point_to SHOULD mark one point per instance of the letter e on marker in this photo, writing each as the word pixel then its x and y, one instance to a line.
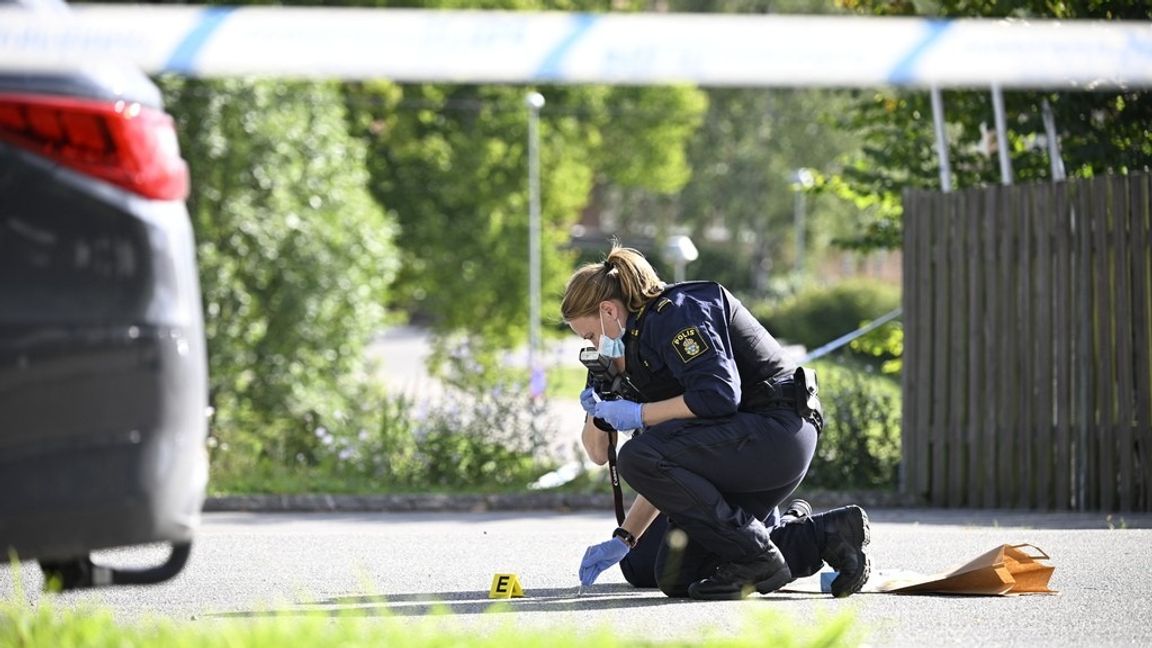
pixel 505 586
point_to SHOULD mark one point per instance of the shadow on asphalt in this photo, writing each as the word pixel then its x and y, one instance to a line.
pixel 600 597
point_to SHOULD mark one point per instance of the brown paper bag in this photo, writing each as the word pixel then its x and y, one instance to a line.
pixel 1004 571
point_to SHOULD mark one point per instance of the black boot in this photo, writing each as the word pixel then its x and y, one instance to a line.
pixel 845 536
pixel 766 572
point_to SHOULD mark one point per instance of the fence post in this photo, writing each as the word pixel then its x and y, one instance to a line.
pixel 941 140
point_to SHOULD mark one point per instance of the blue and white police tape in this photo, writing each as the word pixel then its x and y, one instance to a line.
pixel 558 47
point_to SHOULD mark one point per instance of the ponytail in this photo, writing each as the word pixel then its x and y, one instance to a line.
pixel 624 275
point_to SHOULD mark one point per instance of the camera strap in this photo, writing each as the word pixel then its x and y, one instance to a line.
pixel 617 493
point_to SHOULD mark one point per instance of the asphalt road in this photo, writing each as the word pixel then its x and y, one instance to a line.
pixel 396 567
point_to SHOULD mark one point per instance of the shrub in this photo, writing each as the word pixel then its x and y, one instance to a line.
pixel 818 316
pixel 478 434
pixel 496 443
pixel 296 260
pixel 860 444
pixel 884 345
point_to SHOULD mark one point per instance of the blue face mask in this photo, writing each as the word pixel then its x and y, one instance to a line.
pixel 611 347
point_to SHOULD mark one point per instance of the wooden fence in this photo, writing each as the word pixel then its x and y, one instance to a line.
pixel 1027 378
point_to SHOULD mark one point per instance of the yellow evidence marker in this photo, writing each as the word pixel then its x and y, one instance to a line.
pixel 505 586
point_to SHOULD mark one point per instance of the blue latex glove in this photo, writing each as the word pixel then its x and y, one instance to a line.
pixel 599 557
pixel 588 400
pixel 620 414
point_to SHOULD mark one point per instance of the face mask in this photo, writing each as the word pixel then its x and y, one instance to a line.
pixel 611 347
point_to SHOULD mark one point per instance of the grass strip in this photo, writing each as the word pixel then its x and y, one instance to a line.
pixel 44 625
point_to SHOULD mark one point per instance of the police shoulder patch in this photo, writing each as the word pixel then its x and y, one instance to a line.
pixel 689 344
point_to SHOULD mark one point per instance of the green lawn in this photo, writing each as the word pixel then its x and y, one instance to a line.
pixel 44 626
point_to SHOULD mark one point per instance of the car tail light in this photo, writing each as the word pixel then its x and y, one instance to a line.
pixel 122 142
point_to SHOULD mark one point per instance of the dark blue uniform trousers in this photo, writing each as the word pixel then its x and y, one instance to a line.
pixel 718 482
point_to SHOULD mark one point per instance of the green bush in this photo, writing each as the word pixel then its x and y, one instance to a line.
pixel 860 444
pixel 296 260
pixel 479 434
pixel 884 345
pixel 818 316
pixel 484 440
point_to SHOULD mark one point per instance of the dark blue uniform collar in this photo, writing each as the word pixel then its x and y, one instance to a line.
pixel 662 301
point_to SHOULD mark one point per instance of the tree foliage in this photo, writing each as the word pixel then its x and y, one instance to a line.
pixel 451 161
pixel 295 256
pixel 1104 131
pixel 740 204
pixel 748 160
pixel 298 257
pixel 318 204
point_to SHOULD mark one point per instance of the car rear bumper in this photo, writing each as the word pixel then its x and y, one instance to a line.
pixel 102 442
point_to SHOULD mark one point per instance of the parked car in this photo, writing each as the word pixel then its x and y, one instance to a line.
pixel 103 378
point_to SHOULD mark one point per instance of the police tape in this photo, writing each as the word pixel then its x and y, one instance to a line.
pixel 848 337
pixel 558 47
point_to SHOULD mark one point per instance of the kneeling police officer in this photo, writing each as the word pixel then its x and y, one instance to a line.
pixel 724 432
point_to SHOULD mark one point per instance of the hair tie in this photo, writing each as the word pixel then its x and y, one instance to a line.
pixel 607 265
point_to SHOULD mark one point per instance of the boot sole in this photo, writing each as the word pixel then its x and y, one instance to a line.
pixel 763 587
pixel 778 580
pixel 857 584
pixel 766 586
pixel 727 595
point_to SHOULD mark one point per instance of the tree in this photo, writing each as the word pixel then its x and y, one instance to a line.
pixel 747 162
pixel 451 162
pixel 1099 132
pixel 295 256
pixel 739 204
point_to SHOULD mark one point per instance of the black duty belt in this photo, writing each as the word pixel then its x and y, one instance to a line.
pixel 769 395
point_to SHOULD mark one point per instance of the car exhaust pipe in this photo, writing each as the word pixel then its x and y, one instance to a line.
pixel 82 573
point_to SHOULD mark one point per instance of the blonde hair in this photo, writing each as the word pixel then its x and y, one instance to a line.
pixel 624 275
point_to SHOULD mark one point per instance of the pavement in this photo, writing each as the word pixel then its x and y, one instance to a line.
pixel 406 567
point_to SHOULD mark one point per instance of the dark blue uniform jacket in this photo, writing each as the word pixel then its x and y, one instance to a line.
pixel 698 340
